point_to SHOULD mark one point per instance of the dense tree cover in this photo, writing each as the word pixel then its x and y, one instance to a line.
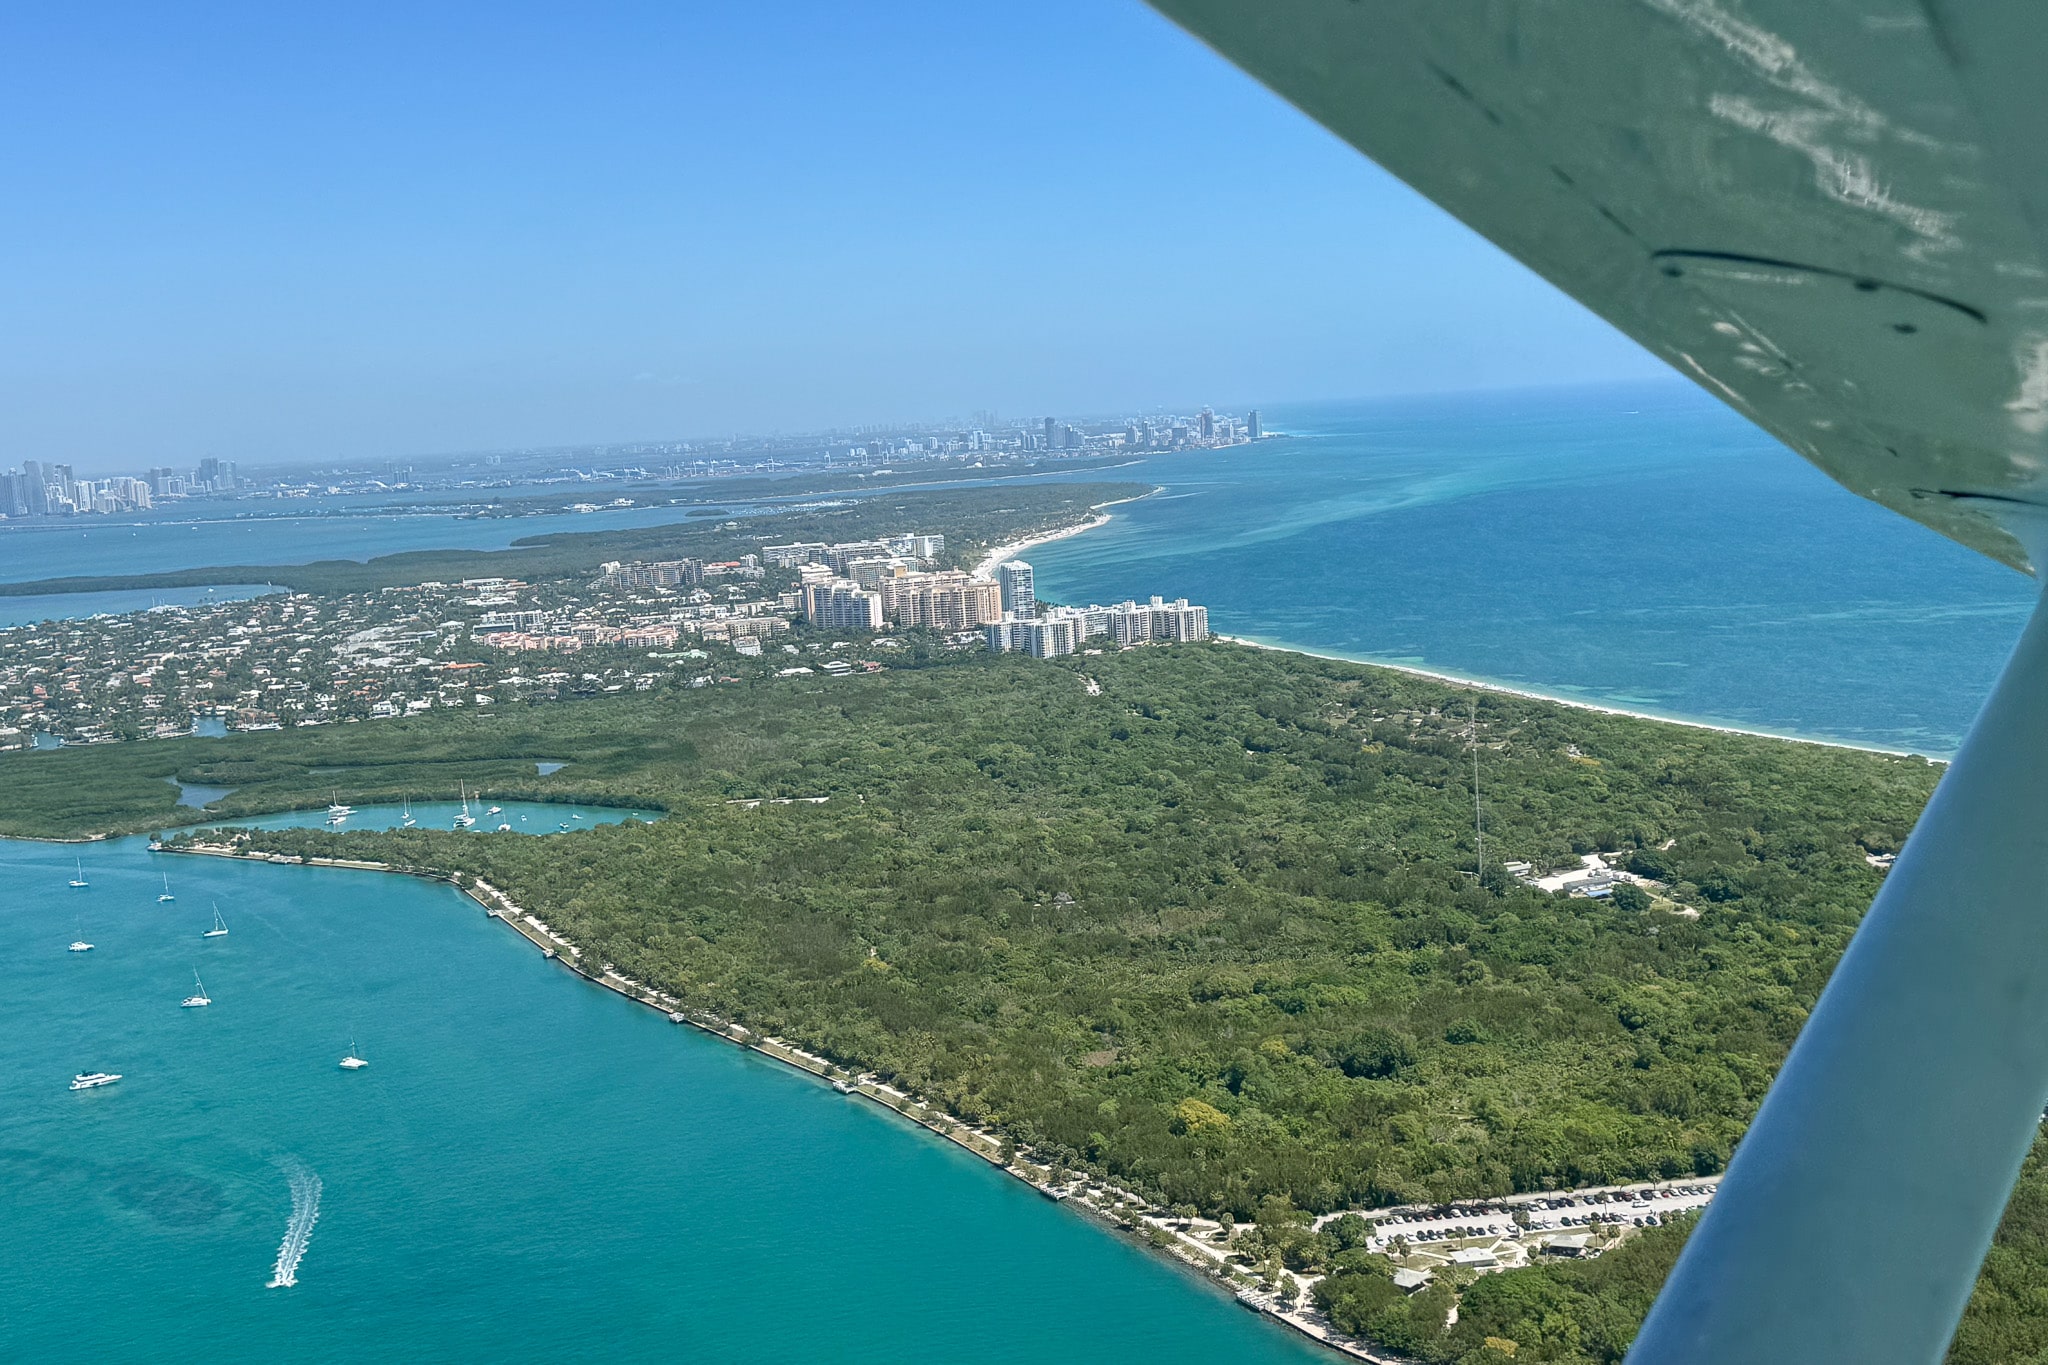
pixel 972 518
pixel 1213 931
pixel 1236 878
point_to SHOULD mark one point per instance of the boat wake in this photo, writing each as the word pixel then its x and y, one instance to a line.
pixel 299 1230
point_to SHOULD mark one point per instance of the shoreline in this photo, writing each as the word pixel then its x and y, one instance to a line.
pixel 997 554
pixel 1128 1212
pixel 1577 704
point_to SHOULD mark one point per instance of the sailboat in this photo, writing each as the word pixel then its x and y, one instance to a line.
pixel 352 1062
pixel 220 928
pixel 464 820
pixel 198 996
pixel 166 897
pixel 405 819
pixel 337 812
pixel 79 880
pixel 79 945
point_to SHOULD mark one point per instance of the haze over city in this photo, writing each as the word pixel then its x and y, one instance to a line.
pixel 270 235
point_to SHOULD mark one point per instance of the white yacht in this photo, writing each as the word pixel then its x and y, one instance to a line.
pixel 504 829
pixel 81 946
pixel 79 880
pixel 352 1062
pixel 198 996
pixel 86 1080
pixel 335 807
pixel 166 897
pixel 495 810
pixel 220 927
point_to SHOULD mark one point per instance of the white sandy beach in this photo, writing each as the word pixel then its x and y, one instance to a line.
pixel 1574 702
pixel 1002 553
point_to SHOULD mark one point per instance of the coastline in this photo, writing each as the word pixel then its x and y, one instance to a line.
pixel 986 569
pixel 996 555
pixel 1578 704
pixel 1114 1208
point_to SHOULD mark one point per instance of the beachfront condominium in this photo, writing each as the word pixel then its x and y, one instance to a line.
pixel 950 600
pixel 1062 630
pixel 1014 578
pixel 837 604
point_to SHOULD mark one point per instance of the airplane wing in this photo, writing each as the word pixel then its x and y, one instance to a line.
pixel 1817 209
pixel 1831 214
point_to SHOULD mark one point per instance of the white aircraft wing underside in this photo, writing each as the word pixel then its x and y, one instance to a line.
pixel 1824 212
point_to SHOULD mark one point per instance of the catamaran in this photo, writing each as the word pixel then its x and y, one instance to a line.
pixel 352 1062
pixel 79 880
pixel 166 897
pixel 464 820
pixel 335 807
pixel 220 928
pixel 86 1080
pixel 198 996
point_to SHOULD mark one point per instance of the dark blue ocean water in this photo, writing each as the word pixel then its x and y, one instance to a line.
pixel 1638 547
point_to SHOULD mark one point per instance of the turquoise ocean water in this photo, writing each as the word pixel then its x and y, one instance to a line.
pixel 1639 547
pixel 535 1169
pixel 531 1168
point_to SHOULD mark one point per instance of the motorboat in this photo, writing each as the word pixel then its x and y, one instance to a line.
pixel 87 1080
pixel 81 946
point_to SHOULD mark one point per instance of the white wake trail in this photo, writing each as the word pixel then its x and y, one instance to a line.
pixel 299 1230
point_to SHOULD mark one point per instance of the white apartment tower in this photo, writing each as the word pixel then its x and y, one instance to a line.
pixel 1014 578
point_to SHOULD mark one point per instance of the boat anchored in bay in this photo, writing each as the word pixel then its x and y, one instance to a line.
pixel 87 1080
pixel 198 998
pixel 219 929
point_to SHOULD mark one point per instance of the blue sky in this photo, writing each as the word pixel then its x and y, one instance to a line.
pixel 270 231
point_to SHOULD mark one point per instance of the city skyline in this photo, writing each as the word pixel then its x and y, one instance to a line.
pixel 42 488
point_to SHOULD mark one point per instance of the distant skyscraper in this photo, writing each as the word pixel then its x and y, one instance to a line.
pixel 1014 578
pixel 1049 430
pixel 1252 427
pixel 1208 425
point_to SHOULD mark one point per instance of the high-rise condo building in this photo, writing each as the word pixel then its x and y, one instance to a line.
pixel 1208 425
pixel 1014 578
pixel 1252 427
pixel 839 605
